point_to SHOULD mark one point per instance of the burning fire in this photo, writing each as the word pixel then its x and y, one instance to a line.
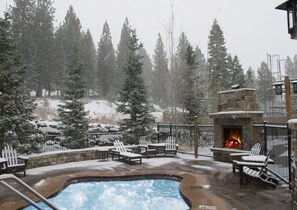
pixel 233 140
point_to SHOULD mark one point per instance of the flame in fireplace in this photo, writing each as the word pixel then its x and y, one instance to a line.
pixel 233 140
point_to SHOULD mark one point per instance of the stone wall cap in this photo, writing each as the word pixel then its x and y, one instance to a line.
pixel 235 113
pixel 237 90
pixel 292 124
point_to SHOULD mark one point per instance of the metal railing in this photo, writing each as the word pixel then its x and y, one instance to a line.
pixel 24 197
pixel 184 134
pixel 276 138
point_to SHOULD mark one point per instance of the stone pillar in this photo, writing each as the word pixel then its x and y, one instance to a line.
pixel 293 126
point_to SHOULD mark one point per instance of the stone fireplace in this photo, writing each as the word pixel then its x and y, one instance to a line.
pixel 237 124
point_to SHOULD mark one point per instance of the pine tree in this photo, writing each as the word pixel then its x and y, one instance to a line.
pixel 265 81
pixel 236 72
pixel 161 78
pixel 217 64
pixel 44 39
pixel 201 70
pixel 67 35
pixel 250 79
pixel 23 32
pixel 59 64
pixel 122 56
pixel 16 105
pixel 72 31
pixel 291 70
pixel 147 67
pixel 72 114
pixel 201 76
pixel 89 61
pixel 180 68
pixel 189 100
pixel 106 63
pixel 295 65
pixel 133 98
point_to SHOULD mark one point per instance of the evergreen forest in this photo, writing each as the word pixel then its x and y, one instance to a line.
pixel 39 59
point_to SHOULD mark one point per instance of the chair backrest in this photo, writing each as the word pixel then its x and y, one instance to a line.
pixel 255 149
pixel 170 143
pixel 10 155
pixel 263 169
pixel 119 146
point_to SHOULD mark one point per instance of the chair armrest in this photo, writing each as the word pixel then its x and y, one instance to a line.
pixel 239 154
pixel 143 147
pixel 114 151
pixel 23 158
pixel 253 164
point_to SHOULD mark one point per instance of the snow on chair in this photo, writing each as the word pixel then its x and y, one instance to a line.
pixel 13 165
pixel 255 150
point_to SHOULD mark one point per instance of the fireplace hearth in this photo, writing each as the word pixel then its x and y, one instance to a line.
pixel 236 124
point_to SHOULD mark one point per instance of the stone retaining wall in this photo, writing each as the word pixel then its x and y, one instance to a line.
pixel 294 165
pixel 65 156
pixel 293 126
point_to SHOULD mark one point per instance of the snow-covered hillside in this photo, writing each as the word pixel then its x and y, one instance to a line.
pixel 100 111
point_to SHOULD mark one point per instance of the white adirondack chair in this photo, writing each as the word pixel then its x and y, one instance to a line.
pixel 255 150
pixel 13 164
pixel 256 171
pixel 144 148
pixel 122 153
pixel 170 146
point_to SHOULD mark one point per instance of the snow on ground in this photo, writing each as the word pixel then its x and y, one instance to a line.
pixel 101 107
pixel 202 167
pixel 110 165
pixel 98 110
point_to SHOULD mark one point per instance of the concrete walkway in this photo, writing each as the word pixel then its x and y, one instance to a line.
pixel 222 183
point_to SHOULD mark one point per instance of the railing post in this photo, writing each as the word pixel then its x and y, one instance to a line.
pixel 196 137
pixel 170 128
pixel 288 97
pixel 158 129
pixel 265 137
pixel 289 154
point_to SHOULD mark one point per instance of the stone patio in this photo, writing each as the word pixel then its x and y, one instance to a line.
pixel 224 190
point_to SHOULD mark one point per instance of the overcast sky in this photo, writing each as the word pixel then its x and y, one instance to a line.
pixel 252 28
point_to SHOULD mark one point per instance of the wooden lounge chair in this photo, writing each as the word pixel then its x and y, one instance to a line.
pixel 256 171
pixel 13 165
pixel 237 156
pixel 170 146
pixel 144 148
pixel 122 153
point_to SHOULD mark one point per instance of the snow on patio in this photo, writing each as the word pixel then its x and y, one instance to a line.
pixel 150 163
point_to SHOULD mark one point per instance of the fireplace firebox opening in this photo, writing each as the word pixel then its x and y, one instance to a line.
pixel 232 137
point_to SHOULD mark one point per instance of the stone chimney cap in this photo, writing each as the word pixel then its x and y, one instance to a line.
pixel 236 86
